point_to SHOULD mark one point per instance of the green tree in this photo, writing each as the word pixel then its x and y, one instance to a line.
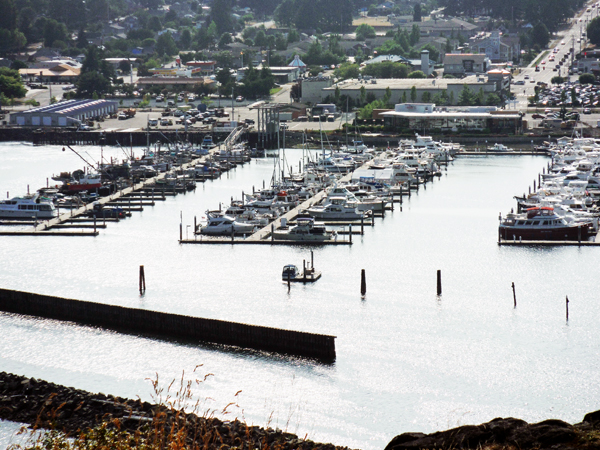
pixel 155 24
pixel 364 31
pixel 415 35
pixel 221 15
pixel 413 94
pixel 186 39
pixel 417 74
pixel 10 83
pixel 587 78
pixel 225 40
pixel 165 45
pixel 540 35
pixel 593 31
pixel 54 31
pixel 347 71
pixel 8 15
pixel 465 98
pixel 285 12
pixel 404 97
pixel 417 12
pixel 363 95
pixel 426 97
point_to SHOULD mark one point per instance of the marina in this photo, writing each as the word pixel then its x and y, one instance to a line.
pixel 406 358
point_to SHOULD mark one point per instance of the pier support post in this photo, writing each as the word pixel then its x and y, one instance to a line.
pixel 142 281
pixel 514 294
pixel 363 282
pixel 312 260
pixel 534 189
pixel 180 232
pixel 195 225
pixel 362 225
pixel 350 233
pixel 94 224
pixel 401 192
pixel 304 271
pixel 567 307
pixel 439 282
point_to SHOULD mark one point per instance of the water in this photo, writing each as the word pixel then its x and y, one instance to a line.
pixel 406 359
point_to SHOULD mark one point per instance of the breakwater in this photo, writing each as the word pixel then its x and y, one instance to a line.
pixel 72 411
pixel 169 325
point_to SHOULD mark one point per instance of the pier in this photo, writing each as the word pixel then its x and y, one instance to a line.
pixel 171 326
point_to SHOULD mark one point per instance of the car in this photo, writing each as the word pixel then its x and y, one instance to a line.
pixel 537 116
pixel 526 77
pixel 543 61
pixel 239 98
pixel 587 111
pixel 152 122
pixel 249 121
pixel 537 68
pixel 562 42
pixel 122 116
pixel 532 81
pixel 520 82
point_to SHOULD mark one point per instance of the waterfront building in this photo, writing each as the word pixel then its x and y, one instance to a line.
pixel 62 114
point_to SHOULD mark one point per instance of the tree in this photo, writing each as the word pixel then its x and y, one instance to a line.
pixel 540 35
pixel 82 41
pixel 415 34
pixel 221 15
pixel 347 71
pixel 417 13
pixel 587 78
pixel 54 31
pixel 404 97
pixel 285 12
pixel 426 97
pixel 8 17
pixel 593 31
pixel 364 31
pixel 225 40
pixel 557 80
pixel 465 98
pixel 417 74
pixel 186 39
pixel 125 67
pixel 154 24
pixel 413 94
pixel 363 95
pixel 10 83
pixel 165 45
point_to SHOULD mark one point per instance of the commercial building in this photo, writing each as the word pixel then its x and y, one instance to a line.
pixel 314 89
pixel 460 64
pixel 401 87
pixel 62 114
pixel 426 117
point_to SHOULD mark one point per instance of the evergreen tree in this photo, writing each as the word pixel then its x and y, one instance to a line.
pixel 417 12
pixel 413 94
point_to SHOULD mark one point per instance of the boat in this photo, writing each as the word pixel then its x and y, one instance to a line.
pixel 500 148
pixel 28 207
pixel 304 230
pixel 290 272
pixel 543 224
pixel 220 224
pixel 338 208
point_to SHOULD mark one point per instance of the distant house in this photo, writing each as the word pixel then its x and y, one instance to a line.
pixel 463 64
pixel 496 46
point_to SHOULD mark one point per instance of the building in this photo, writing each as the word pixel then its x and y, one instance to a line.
pixel 60 73
pixel 206 67
pixel 428 118
pixel 461 64
pixel 496 46
pixel 62 114
pixel 402 87
pixel 313 89
pixel 168 82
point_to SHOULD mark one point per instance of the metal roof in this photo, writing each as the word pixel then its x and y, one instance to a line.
pixel 450 115
pixel 71 107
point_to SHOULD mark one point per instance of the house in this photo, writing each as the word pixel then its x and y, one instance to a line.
pixel 496 46
pixel 459 65
pixel 446 27
pixel 61 73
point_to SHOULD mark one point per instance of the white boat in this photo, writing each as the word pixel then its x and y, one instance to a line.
pixel 304 230
pixel 367 202
pixel 337 208
pixel 225 225
pixel 28 207
pixel 500 148
pixel 290 272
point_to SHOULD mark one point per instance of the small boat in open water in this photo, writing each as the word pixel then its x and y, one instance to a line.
pixel 543 224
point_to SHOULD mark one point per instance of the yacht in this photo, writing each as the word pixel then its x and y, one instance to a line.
pixel 225 225
pixel 543 224
pixel 337 208
pixel 304 230
pixel 28 207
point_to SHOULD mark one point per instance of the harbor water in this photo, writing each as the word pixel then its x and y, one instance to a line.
pixel 407 359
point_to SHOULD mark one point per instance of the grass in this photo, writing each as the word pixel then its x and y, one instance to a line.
pixel 274 90
pixel 541 57
pixel 176 422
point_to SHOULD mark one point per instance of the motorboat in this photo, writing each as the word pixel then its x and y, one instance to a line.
pixel 290 272
pixel 543 224
pixel 500 148
pixel 28 207
pixel 304 230
pixel 218 224
pixel 337 208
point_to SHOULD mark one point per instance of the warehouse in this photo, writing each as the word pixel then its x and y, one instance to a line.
pixel 62 114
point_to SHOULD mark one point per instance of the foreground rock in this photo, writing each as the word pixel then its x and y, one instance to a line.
pixel 51 406
pixel 507 434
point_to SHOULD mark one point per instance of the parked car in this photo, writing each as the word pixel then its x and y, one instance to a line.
pixel 239 98
pixel 587 111
pixel 537 116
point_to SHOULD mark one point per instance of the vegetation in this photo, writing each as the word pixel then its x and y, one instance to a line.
pixel 587 78
pixel 11 85
pixel 593 31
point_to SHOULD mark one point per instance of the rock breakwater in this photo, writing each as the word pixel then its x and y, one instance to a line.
pixel 50 406
pixel 508 434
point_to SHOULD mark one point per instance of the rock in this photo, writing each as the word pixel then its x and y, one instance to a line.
pixel 593 417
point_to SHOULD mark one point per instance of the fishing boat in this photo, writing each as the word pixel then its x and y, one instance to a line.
pixel 28 207
pixel 543 224
pixel 500 148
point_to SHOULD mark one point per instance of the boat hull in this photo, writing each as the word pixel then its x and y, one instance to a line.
pixel 567 233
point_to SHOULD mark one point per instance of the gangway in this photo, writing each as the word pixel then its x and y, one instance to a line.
pixel 233 137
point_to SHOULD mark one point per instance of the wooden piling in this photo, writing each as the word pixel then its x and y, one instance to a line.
pixel 180 232
pixel 363 282
pixel 142 281
pixel 567 307
pixel 439 282
pixel 350 233
pixel 514 294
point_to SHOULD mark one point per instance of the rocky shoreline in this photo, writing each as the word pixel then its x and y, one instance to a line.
pixel 41 404
pixel 50 406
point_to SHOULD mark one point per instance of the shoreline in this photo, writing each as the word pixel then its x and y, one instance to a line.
pixel 48 406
